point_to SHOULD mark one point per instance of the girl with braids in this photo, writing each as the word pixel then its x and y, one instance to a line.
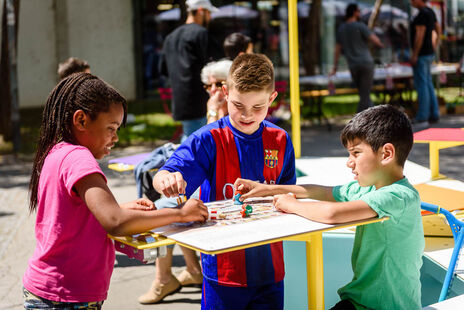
pixel 73 259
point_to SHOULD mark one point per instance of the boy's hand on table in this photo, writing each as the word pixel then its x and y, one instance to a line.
pixel 249 188
pixel 142 204
pixel 193 210
pixel 285 202
pixel 173 184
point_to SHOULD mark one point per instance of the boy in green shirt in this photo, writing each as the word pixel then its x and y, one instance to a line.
pixel 387 256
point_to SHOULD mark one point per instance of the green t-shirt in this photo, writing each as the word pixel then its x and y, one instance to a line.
pixel 387 256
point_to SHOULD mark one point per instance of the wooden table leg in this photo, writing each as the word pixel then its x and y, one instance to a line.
pixel 315 272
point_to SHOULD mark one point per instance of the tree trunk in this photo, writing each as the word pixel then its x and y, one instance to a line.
pixel 9 109
pixel 5 111
pixel 311 41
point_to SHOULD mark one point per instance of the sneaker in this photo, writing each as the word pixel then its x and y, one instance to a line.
pixel 419 125
pixel 158 291
pixel 187 279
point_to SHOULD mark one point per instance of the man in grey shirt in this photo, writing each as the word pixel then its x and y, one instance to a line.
pixel 352 38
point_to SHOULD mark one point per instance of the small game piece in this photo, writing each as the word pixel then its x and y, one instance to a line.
pixel 212 215
pixel 181 199
pixel 244 213
pixel 292 194
pixel 248 209
pixel 215 215
pixel 236 198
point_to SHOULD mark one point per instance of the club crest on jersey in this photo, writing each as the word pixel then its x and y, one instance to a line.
pixel 270 158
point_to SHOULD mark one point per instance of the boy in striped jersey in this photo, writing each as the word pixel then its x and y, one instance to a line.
pixel 240 145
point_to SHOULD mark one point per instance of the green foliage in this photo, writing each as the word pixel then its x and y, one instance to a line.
pixel 147 128
pixel 332 106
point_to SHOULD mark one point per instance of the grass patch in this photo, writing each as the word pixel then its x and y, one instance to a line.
pixel 147 128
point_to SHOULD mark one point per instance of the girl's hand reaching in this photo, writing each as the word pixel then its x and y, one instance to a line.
pixel 193 210
pixel 142 204
pixel 250 189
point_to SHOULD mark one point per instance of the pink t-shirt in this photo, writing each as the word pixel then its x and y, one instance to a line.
pixel 73 259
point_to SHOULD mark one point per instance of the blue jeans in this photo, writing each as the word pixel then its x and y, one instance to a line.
pixel 191 125
pixel 428 103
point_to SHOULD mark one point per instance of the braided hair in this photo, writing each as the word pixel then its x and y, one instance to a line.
pixel 79 91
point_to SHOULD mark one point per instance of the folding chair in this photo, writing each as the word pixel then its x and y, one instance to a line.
pixel 166 96
pixel 458 235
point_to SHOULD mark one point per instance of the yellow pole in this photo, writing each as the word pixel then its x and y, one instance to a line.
pixel 294 75
pixel 434 151
pixel 315 272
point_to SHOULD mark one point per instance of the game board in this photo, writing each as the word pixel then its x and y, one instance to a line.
pixel 227 213
pixel 219 234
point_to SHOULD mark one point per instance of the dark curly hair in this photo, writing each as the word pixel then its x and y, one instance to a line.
pixel 79 91
pixel 380 125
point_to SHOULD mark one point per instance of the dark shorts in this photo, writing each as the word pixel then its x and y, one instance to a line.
pixel 265 297
pixel 32 301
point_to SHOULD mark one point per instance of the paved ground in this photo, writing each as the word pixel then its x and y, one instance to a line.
pixel 130 279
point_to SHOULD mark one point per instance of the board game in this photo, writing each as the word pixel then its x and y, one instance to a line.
pixel 227 212
pixel 232 230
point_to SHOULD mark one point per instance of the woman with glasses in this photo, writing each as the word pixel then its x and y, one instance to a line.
pixel 213 76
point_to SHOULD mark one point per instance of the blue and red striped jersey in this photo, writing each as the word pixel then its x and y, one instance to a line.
pixel 214 157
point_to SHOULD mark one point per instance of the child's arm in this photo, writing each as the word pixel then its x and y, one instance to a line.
pixel 139 204
pixel 119 221
pixel 325 211
pixel 255 189
pixel 170 184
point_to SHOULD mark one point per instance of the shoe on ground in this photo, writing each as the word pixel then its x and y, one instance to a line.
pixel 158 291
pixel 434 120
pixel 187 279
pixel 419 125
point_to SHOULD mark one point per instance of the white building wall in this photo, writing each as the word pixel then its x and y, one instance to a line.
pixel 100 32
pixel 36 52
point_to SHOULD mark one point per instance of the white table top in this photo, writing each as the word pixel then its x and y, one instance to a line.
pixel 395 70
pixel 448 304
pixel 331 171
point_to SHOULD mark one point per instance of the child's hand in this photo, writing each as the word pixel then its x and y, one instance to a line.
pixel 285 202
pixel 173 184
pixel 143 204
pixel 249 188
pixel 194 210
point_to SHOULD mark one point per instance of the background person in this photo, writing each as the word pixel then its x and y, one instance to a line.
pixel 423 42
pixel 185 53
pixel 352 38
pixel 213 76
pixel 236 44
pixel 72 65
